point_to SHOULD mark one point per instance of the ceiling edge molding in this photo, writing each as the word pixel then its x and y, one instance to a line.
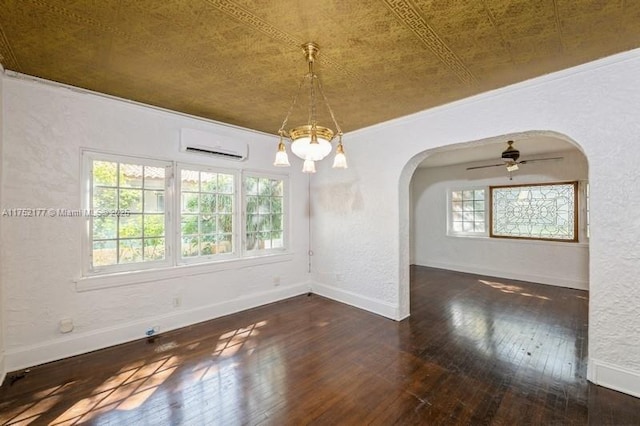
pixel 412 19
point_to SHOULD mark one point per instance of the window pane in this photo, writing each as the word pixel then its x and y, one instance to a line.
pixel 105 253
pixel 209 182
pixel 154 248
pixel 225 243
pixel 105 227
pixel 225 203
pixel 130 176
pixel 208 203
pixel 207 224
pixel 154 177
pixel 190 202
pixel 189 180
pixel 225 183
pixel 225 223
pixel 130 226
pixel 105 173
pixel 153 201
pixel 105 198
pixel 190 246
pixel 130 251
pixel 154 225
pixel 467 211
pixel 131 200
pixel 251 185
pixel 189 225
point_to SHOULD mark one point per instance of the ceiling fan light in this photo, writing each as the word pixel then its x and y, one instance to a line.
pixel 512 167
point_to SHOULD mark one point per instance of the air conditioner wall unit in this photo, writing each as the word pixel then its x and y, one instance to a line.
pixel 206 143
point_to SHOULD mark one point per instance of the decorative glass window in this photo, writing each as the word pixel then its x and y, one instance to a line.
pixel 207 209
pixel 265 198
pixel 467 212
pixel 127 225
pixel 540 211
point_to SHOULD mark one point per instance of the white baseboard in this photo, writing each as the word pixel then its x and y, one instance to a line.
pixel 376 306
pixel 534 278
pixel 76 344
pixel 614 377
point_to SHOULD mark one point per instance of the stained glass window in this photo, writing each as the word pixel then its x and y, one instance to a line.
pixel 544 211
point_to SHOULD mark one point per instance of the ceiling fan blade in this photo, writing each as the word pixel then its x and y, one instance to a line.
pixel 539 159
pixel 484 167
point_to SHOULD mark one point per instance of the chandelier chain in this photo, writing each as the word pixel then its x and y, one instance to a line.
pixel 326 102
pixel 293 104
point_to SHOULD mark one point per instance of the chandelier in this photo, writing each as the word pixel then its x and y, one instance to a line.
pixel 311 142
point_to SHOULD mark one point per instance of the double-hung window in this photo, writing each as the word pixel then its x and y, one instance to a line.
pixel 127 218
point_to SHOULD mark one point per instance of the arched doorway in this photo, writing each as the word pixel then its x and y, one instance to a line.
pixel 471 153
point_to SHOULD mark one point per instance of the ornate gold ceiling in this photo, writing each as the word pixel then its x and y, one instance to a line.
pixel 240 61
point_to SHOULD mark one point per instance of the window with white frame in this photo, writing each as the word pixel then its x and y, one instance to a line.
pixel 127 224
pixel 138 223
pixel 265 212
pixel 207 212
pixel 467 212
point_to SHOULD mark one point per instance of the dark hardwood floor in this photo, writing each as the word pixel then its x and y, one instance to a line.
pixel 476 350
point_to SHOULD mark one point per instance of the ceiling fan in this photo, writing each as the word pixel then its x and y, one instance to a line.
pixel 510 160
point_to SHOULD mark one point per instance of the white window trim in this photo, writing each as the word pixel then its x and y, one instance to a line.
pixel 173 265
pixel 87 194
pixel 450 231
pixel 285 210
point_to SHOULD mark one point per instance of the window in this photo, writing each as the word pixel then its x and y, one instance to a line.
pixel 542 211
pixel 143 218
pixel 207 210
pixel 128 224
pixel 467 212
pixel 265 218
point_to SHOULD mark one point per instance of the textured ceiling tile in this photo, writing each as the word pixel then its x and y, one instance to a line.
pixel 240 61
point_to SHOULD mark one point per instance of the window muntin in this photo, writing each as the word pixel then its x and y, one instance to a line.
pixel 127 224
pixel 535 211
pixel 207 212
pixel 467 212
pixel 144 218
pixel 265 212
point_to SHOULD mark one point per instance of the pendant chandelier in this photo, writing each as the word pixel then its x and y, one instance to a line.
pixel 311 142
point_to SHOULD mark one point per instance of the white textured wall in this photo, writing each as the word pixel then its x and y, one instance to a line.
pixel 361 224
pixel 557 263
pixel 45 129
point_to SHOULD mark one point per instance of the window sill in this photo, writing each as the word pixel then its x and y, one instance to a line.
pixel 520 240
pixel 98 282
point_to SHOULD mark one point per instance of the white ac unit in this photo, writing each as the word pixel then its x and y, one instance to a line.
pixel 205 143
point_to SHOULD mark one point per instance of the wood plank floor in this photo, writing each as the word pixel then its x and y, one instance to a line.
pixel 475 351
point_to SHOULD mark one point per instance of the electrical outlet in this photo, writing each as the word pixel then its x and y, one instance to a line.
pixel 276 281
pixel 177 302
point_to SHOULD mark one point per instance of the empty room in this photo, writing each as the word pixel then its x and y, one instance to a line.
pixel 297 212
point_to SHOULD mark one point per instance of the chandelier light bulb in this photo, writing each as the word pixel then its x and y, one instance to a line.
pixel 282 159
pixel 309 166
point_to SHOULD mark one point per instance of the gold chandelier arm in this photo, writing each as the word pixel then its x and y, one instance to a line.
pixel 294 101
pixel 326 102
